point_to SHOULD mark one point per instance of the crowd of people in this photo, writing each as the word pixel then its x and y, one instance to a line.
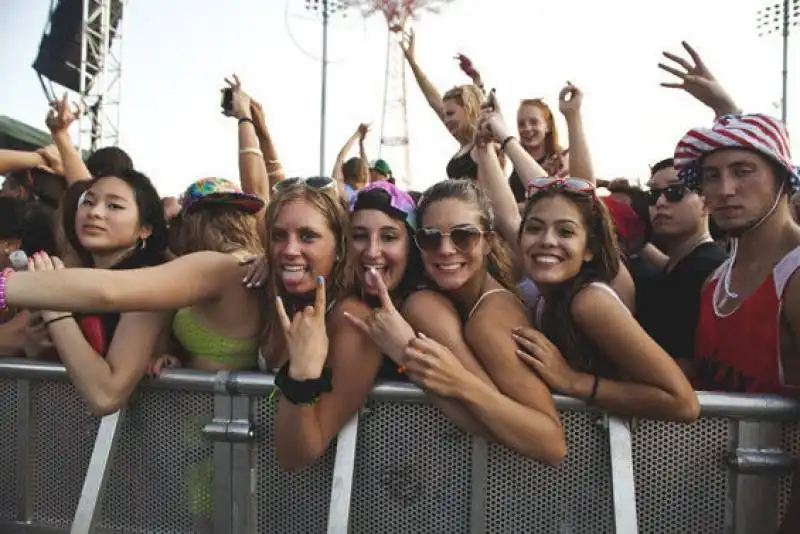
pixel 491 290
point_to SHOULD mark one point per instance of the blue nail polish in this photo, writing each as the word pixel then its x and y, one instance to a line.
pixel 320 279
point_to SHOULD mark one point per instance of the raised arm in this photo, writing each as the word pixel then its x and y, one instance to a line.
pixel 271 159
pixel 61 116
pixel 697 80
pixel 580 159
pixel 20 160
pixel 176 284
pixel 338 172
pixel 252 167
pixel 303 432
pixel 429 91
pixel 654 385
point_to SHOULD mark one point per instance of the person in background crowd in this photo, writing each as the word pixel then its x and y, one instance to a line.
pixel 379 170
pixel 108 161
pixel 594 349
pixel 794 202
pixel 353 174
pixel 12 215
pixel 667 303
pixel 458 109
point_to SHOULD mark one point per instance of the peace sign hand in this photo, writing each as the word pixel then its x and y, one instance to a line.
pixel 698 81
pixel 306 337
pixel 385 326
pixel 61 115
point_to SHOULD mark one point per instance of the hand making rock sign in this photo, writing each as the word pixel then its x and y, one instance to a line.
pixel 306 336
pixel 385 326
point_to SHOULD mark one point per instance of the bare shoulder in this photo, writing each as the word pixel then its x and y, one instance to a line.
pixel 499 312
pixel 595 303
pixel 421 304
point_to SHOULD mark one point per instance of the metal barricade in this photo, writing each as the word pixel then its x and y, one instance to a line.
pixel 195 453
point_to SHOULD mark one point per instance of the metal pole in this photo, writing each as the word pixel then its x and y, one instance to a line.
pixel 785 59
pixel 323 104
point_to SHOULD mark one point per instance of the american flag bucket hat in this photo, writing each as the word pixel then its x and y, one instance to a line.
pixel 756 132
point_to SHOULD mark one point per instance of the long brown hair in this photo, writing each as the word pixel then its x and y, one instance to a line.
pixel 498 263
pixel 601 241
pixel 340 280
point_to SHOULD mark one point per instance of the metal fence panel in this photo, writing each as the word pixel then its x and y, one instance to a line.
pixel 680 475
pixel 413 472
pixel 575 498
pixel 63 439
pixel 9 487
pixel 288 503
pixel 161 476
pixel 791 444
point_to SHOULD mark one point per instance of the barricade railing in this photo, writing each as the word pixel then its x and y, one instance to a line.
pixel 194 452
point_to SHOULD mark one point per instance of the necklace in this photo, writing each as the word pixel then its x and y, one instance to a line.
pixel 673 261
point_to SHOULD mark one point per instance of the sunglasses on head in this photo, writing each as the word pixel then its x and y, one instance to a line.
pixel 317 183
pixel 575 185
pixel 463 238
pixel 673 193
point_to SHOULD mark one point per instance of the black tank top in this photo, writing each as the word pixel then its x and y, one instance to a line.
pixel 462 167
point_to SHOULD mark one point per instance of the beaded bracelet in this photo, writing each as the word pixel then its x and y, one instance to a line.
pixel 3 303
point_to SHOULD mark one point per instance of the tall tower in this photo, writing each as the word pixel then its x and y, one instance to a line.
pixel 394 147
pixel 81 50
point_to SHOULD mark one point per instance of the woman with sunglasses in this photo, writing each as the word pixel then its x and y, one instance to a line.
pixel 463 354
pixel 589 339
pixel 327 366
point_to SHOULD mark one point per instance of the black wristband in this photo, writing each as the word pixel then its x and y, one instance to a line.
pixel 303 392
pixel 591 398
pixel 61 318
pixel 505 142
pixel 246 119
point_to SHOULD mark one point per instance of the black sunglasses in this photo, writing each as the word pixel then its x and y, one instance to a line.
pixel 673 193
pixel 318 183
pixel 464 238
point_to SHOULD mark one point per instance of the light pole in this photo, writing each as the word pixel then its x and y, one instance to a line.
pixel 773 19
pixel 324 8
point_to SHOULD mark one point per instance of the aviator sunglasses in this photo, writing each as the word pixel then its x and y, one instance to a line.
pixel 317 183
pixel 463 238
pixel 673 193
pixel 576 185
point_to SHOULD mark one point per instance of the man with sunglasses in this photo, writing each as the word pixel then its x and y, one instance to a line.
pixel 668 303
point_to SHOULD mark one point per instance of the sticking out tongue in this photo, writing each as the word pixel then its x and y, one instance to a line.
pixel 292 277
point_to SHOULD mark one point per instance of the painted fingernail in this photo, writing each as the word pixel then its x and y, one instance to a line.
pixel 320 279
pixel 402 369
pixel 423 336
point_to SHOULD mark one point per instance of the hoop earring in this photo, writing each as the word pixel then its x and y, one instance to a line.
pixel 143 243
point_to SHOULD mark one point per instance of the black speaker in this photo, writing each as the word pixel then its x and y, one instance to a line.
pixel 59 57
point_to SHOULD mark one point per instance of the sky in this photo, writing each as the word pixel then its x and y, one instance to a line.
pixel 176 54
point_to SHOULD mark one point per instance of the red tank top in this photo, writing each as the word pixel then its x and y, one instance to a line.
pixel 740 352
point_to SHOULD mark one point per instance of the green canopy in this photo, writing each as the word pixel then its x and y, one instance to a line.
pixel 17 135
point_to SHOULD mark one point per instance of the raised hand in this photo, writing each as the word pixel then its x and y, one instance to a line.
pixel 570 100
pixel 61 115
pixel 241 104
pixel 697 80
pixel 407 43
pixel 468 67
pixel 363 130
pixel 491 126
pixel 432 365
pixel 385 326
pixel 306 336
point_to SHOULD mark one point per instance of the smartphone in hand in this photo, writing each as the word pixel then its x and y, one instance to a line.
pixel 227 100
